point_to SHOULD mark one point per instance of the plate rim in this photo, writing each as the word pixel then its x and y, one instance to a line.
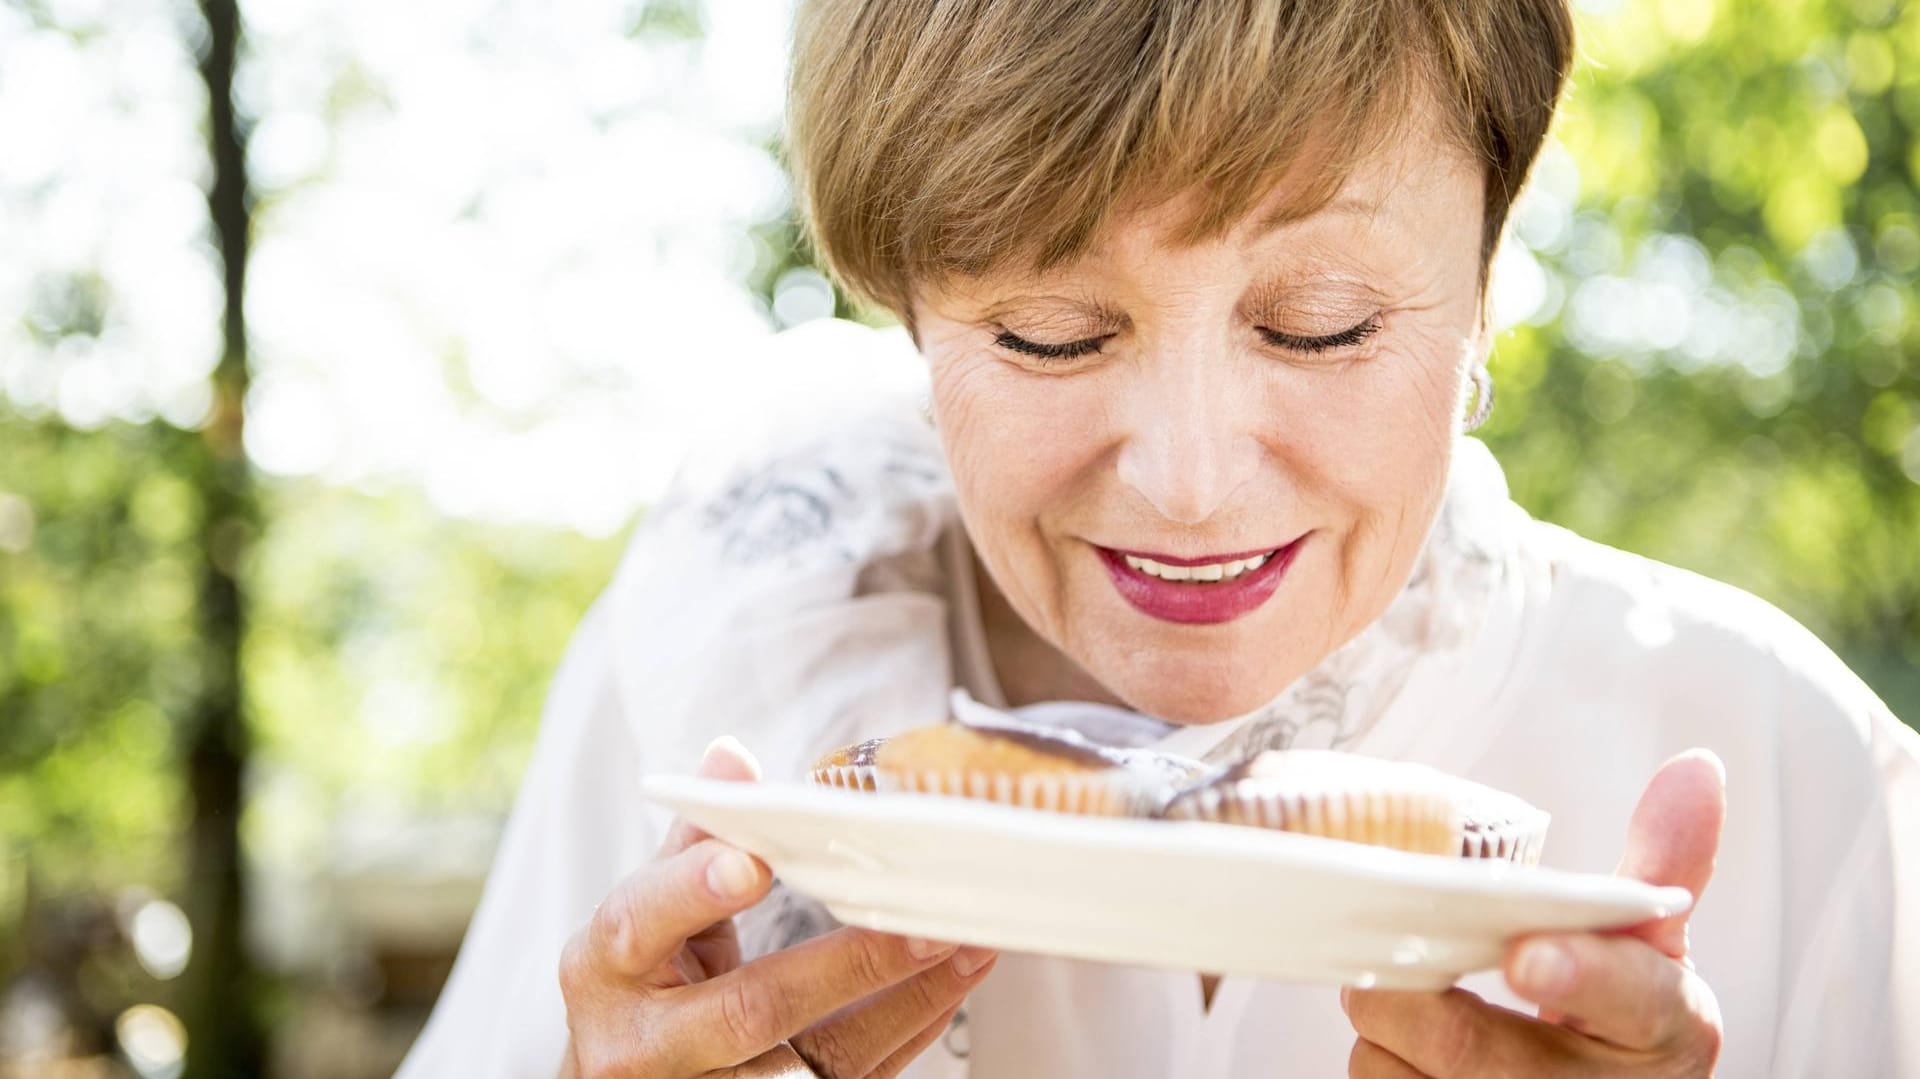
pixel 1461 877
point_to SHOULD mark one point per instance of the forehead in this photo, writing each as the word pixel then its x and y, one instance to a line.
pixel 1415 190
pixel 1397 185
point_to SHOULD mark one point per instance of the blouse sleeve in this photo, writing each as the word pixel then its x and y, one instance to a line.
pixel 577 826
pixel 1850 1007
pixel 1898 750
pixel 783 590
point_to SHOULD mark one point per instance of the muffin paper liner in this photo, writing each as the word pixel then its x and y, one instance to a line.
pixel 1438 814
pixel 848 776
pixel 1422 821
pixel 1502 827
pixel 1453 817
pixel 1113 794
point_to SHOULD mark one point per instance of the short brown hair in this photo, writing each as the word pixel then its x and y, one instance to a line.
pixel 934 138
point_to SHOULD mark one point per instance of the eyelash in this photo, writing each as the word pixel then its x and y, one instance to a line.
pixel 1070 350
pixel 1346 338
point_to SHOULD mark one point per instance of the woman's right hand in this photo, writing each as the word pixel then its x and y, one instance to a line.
pixel 654 986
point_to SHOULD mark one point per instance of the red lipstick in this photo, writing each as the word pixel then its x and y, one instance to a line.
pixel 1198 602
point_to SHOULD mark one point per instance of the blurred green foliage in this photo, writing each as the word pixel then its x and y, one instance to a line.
pixel 97 653
pixel 394 654
pixel 1779 140
pixel 397 651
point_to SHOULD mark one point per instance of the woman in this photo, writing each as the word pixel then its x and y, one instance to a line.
pixel 1200 292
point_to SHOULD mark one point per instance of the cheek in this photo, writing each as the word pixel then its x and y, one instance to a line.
pixel 1019 453
pixel 1387 415
pixel 1379 457
pixel 1026 442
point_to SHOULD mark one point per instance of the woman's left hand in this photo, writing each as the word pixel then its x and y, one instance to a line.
pixel 1626 1003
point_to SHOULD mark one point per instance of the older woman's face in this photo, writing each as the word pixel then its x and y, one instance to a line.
pixel 1269 417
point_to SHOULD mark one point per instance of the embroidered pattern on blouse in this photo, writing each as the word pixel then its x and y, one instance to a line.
pixel 957 1041
pixel 1442 606
pixel 781 920
pixel 797 505
pixel 775 511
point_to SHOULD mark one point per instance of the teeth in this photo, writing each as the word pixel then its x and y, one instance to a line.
pixel 1216 571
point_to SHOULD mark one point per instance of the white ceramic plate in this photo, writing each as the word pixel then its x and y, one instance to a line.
pixel 1186 895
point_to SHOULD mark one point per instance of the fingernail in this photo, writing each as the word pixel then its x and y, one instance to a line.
pixel 923 949
pixel 732 875
pixel 1712 760
pixel 968 961
pixel 730 745
pixel 1545 968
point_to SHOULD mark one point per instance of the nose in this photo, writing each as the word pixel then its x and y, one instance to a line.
pixel 1191 442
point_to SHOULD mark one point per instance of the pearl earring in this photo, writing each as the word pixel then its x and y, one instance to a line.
pixel 1482 396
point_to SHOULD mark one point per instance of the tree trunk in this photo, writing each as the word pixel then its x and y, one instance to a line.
pixel 221 1000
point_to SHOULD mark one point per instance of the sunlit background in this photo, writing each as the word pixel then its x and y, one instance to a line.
pixel 290 601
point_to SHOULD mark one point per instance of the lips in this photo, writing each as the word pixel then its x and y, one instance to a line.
pixel 1198 602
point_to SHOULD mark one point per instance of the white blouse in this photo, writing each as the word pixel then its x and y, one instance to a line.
pixel 818 590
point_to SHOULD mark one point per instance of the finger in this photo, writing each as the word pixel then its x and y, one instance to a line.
pixel 1450 1034
pixel 908 1053
pixel 1674 836
pixel 1670 837
pixel 743 1012
pixel 651 913
pixel 1619 988
pixel 713 950
pixel 724 758
pixel 855 1039
pixel 1369 1061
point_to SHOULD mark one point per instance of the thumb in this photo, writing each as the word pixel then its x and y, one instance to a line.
pixel 725 758
pixel 1674 836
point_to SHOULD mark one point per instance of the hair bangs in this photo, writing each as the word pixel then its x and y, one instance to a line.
pixel 986 137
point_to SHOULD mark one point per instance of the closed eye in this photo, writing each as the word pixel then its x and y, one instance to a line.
pixel 1070 349
pixel 1352 335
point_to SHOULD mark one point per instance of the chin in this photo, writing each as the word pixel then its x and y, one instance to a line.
pixel 1178 693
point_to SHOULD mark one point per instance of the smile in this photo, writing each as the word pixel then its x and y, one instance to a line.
pixel 1217 588
pixel 1208 571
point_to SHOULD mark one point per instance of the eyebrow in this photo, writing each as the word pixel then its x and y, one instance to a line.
pixel 1084 305
pixel 1274 294
pixel 1347 204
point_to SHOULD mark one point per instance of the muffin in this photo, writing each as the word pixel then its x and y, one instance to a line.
pixel 1500 826
pixel 1041 769
pixel 850 767
pixel 1333 795
pixel 1345 796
